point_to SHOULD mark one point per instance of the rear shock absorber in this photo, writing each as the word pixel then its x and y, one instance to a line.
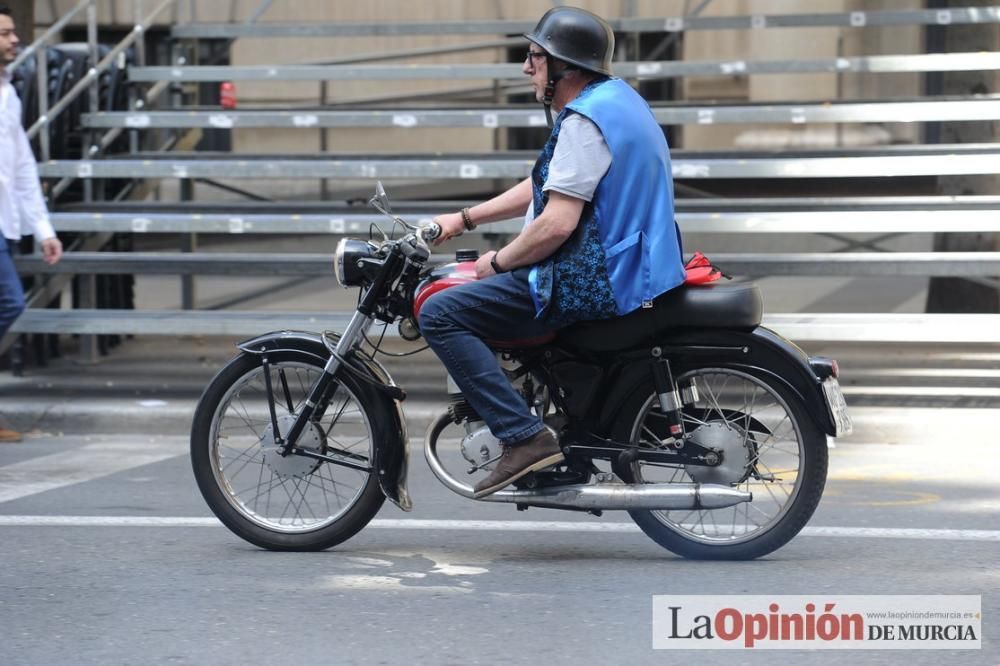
pixel 668 397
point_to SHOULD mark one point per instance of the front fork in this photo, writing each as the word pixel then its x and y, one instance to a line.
pixel 320 392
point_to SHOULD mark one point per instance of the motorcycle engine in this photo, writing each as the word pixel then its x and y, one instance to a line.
pixel 479 446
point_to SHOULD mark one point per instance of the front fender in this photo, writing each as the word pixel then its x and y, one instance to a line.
pixel 276 341
pixel 391 457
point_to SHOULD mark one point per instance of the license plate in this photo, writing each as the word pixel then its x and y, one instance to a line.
pixel 837 407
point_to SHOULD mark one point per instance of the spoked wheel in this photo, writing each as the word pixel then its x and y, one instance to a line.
pixel 769 446
pixel 290 502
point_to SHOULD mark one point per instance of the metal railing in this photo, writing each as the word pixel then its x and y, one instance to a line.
pixel 922 62
pixel 948 216
pixel 888 111
pixel 90 79
pixel 856 19
pixel 937 160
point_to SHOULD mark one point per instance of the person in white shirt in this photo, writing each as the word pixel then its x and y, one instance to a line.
pixel 22 207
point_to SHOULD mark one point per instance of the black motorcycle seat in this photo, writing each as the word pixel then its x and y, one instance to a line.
pixel 713 305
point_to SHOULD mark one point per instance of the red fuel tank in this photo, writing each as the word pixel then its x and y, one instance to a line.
pixel 451 275
pixel 441 278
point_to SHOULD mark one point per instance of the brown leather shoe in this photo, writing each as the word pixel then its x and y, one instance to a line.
pixel 9 436
pixel 537 453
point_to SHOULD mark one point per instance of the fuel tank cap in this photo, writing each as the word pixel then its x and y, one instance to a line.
pixel 466 255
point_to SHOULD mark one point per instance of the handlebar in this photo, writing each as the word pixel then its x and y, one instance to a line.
pixel 423 234
pixel 430 232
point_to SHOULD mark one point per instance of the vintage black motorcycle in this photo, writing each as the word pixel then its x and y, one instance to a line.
pixel 709 429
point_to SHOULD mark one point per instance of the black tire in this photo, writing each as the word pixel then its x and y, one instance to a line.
pixel 219 467
pixel 737 431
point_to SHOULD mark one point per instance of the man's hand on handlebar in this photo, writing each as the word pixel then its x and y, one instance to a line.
pixel 451 226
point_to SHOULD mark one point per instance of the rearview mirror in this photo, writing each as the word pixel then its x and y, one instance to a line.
pixel 381 199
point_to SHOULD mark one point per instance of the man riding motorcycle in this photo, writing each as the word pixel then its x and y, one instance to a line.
pixel 599 239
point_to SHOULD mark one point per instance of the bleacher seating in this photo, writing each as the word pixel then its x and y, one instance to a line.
pixel 781 183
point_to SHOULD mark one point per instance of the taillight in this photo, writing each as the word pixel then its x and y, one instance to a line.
pixel 824 367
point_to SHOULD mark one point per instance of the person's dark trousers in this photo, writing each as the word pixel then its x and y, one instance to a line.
pixel 11 293
pixel 455 323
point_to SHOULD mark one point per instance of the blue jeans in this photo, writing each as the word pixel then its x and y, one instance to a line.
pixel 455 323
pixel 11 293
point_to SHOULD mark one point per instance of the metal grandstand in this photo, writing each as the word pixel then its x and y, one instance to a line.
pixel 125 122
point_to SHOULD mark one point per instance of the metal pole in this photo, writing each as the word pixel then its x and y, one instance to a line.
pixel 189 243
pixel 93 92
pixel 135 102
pixel 324 138
pixel 95 56
pixel 88 301
pixel 42 72
pixel 840 88
pixel 140 45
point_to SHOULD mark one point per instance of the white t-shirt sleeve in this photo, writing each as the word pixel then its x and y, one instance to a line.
pixel 580 160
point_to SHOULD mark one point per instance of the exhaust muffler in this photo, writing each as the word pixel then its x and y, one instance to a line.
pixel 619 496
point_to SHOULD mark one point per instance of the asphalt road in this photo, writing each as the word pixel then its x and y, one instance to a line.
pixel 110 556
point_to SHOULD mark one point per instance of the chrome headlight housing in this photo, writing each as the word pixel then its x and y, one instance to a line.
pixel 347 261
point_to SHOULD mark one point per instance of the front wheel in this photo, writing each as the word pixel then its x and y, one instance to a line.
pixel 769 447
pixel 288 502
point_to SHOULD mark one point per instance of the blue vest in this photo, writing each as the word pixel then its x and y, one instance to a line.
pixel 626 250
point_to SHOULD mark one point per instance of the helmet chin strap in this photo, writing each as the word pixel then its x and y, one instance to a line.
pixel 550 90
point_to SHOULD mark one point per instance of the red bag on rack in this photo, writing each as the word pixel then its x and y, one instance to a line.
pixel 700 270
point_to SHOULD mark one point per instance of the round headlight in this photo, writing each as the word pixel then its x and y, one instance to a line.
pixel 346 261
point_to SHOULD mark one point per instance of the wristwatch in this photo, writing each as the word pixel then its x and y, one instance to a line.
pixel 495 265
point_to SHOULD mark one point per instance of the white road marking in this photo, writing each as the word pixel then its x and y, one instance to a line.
pixel 903 533
pixel 393 583
pixel 492 526
pixel 923 391
pixel 78 465
pixel 442 577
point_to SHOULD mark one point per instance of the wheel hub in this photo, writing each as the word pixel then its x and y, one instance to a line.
pixel 729 442
pixel 291 466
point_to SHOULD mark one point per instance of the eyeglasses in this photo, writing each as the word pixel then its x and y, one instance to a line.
pixel 531 55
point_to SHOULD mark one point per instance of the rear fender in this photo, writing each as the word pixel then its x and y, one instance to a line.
pixel 760 352
pixel 391 459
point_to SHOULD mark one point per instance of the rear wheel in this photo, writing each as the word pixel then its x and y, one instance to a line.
pixel 288 502
pixel 769 445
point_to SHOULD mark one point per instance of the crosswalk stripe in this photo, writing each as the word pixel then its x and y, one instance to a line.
pixel 86 463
